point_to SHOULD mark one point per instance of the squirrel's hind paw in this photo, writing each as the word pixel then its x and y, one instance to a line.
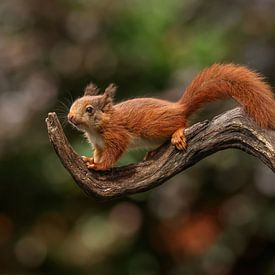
pixel 179 140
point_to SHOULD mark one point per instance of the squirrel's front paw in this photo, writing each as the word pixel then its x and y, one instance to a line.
pixel 91 166
pixel 88 161
pixel 97 166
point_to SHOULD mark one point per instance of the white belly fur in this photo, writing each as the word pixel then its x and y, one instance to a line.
pixel 142 143
pixel 95 138
pixel 135 142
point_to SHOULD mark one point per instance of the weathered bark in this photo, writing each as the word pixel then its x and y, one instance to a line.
pixel 232 129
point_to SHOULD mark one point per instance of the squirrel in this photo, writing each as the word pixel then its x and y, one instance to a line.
pixel 149 122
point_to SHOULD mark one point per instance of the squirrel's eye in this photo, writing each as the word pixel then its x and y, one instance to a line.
pixel 89 109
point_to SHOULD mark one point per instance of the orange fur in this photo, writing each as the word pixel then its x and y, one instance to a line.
pixel 229 80
pixel 149 122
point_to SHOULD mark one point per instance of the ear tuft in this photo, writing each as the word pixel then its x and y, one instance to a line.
pixel 110 91
pixel 107 98
pixel 91 90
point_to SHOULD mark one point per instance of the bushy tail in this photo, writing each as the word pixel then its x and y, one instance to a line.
pixel 229 80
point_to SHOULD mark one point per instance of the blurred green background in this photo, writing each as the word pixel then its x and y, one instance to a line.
pixel 217 218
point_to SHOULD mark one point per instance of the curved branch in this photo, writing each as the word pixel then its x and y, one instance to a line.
pixel 232 129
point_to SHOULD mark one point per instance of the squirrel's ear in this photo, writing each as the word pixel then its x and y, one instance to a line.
pixel 110 91
pixel 91 90
pixel 108 97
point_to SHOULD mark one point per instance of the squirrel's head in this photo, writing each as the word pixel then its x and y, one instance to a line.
pixel 90 111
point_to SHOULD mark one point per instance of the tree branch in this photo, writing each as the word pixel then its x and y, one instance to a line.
pixel 232 129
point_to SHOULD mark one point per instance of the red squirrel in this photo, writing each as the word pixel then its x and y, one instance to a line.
pixel 149 122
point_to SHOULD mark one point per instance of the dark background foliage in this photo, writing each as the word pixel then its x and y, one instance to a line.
pixel 216 218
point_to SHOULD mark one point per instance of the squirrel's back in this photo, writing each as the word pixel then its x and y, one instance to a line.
pixel 229 80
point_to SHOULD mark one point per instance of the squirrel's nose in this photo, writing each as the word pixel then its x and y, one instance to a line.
pixel 71 118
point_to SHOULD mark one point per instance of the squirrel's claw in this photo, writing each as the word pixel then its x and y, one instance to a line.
pixel 89 162
pixel 179 140
pixel 87 159
pixel 96 166
pixel 91 166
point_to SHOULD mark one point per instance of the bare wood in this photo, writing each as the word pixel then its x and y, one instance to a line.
pixel 232 129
